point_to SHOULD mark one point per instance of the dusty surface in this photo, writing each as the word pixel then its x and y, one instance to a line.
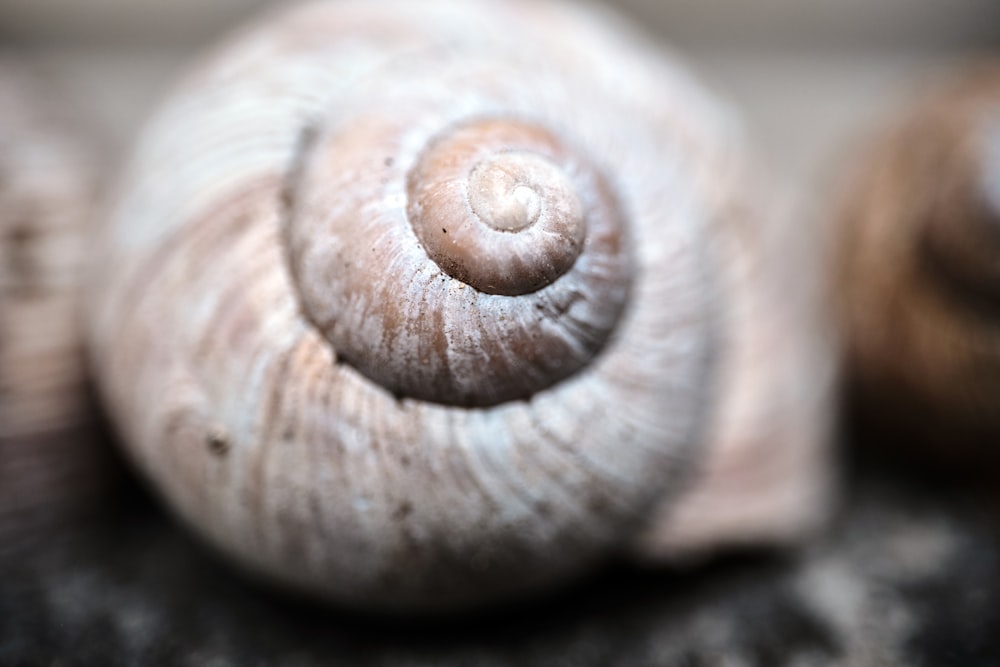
pixel 907 576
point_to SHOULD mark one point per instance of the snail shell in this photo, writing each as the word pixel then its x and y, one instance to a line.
pixel 919 270
pixel 416 306
pixel 766 473
pixel 52 464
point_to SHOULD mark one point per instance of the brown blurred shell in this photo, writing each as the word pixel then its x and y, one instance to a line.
pixel 919 270
pixel 51 463
pixel 415 305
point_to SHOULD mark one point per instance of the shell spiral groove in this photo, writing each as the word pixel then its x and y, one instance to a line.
pixel 498 206
pixel 404 311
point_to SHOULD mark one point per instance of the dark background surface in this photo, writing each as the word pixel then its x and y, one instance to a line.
pixel 907 575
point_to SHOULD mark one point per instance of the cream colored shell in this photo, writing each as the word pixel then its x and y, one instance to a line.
pixel 327 384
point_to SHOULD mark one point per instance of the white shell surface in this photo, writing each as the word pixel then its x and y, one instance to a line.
pixel 240 412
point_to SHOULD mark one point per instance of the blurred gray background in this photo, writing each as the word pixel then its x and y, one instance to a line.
pixel 800 23
pixel 811 77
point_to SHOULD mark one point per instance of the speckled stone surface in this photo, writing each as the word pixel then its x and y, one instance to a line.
pixel 908 575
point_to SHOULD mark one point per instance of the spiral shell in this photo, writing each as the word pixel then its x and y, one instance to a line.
pixel 416 306
pixel 52 463
pixel 918 270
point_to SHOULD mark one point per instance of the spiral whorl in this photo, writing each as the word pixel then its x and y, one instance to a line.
pixel 483 229
pixel 527 224
pixel 447 313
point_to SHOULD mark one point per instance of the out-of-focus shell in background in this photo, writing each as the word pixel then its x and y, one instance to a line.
pixel 53 463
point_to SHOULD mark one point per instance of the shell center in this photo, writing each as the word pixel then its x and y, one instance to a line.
pixel 506 190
